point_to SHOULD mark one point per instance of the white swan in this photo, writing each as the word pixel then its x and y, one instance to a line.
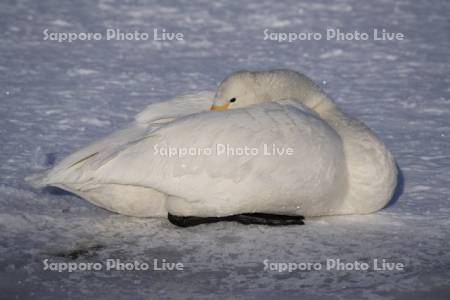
pixel 337 165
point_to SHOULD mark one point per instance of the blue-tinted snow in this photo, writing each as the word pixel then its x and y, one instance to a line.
pixel 56 97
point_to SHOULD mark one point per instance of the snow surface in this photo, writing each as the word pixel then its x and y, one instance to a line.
pixel 56 97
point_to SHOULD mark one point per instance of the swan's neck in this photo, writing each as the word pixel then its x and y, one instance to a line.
pixel 371 169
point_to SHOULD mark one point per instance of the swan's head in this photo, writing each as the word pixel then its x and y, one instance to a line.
pixel 239 89
pixel 244 88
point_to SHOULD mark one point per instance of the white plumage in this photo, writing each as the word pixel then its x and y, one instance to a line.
pixel 337 165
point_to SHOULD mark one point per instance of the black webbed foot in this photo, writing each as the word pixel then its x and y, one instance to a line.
pixel 252 218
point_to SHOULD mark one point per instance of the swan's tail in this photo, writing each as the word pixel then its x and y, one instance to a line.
pixel 38 180
pixel 123 199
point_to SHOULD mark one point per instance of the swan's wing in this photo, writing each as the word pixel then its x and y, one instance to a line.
pixel 123 198
pixel 147 121
pixel 189 159
pixel 175 108
pixel 99 149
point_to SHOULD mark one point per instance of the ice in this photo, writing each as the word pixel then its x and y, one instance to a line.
pixel 56 97
pixel 335 52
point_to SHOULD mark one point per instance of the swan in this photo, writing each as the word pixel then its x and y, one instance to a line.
pixel 184 157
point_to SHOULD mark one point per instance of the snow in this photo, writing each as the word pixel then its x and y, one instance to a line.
pixel 56 97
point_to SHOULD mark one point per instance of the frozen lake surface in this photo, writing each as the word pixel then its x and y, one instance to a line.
pixel 56 97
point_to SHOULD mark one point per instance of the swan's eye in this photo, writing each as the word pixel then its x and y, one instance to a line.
pixel 233 100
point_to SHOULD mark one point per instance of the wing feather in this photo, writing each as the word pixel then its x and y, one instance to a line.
pixel 94 154
pixel 230 177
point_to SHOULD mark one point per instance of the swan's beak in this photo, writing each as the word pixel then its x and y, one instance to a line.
pixel 220 107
